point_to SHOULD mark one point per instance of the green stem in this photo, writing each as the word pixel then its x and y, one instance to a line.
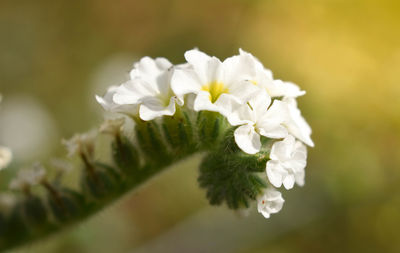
pixel 156 147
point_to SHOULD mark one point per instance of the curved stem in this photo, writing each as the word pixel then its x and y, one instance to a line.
pixel 157 145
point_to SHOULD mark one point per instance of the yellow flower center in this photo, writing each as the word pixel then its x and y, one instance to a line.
pixel 215 89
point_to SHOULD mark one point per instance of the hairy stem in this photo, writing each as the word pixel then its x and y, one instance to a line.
pixel 227 174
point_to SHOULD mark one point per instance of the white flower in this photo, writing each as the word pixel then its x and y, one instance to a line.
pixel 296 124
pixel 263 78
pixel 270 202
pixel 81 144
pixel 28 177
pixel 288 160
pixel 112 126
pixel 214 82
pixel 280 88
pixel 150 86
pixel 109 105
pixel 5 157
pixel 256 118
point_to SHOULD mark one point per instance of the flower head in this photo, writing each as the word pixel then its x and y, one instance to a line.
pixel 150 88
pixel 288 160
pixel 214 82
pixel 263 78
pixel 239 88
pixel 81 144
pixel 5 157
pixel 270 202
pixel 256 118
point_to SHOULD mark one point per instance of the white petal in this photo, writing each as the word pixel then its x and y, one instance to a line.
pixel 288 182
pixel 247 139
pixel 163 63
pixel 260 102
pixel 278 111
pixel 194 56
pixel 203 102
pixel 270 202
pixel 282 150
pixel 163 82
pixel 108 104
pixel 148 68
pixel 274 132
pixel 270 124
pixel 238 67
pixel 297 125
pixel 264 212
pixel 152 108
pixel 299 157
pixel 274 200
pixel 229 107
pixel 292 90
pixel 133 91
pixel 185 81
pixel 199 61
pixel 102 102
pixel 243 89
pixel 237 113
pixel 107 100
pixel 214 71
pixel 275 173
pixel 299 176
pixel 257 64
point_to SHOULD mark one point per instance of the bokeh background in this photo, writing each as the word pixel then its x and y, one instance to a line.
pixel 55 55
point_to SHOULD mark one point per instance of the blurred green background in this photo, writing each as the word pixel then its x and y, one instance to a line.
pixel 55 55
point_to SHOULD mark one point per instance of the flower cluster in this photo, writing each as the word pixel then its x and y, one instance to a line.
pixel 242 90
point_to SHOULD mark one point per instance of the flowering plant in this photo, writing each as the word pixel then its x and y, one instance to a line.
pixel 245 122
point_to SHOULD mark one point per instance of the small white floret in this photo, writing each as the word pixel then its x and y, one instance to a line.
pixel 150 88
pixel 81 144
pixel 270 202
pixel 256 118
pixel 212 80
pixel 263 78
pixel 288 160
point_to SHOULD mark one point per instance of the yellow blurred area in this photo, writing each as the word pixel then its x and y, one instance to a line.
pixel 344 53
